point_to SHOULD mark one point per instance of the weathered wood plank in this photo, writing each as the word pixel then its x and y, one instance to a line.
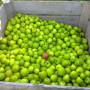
pixel 88 34
pixel 9 9
pixel 48 7
pixel 84 15
pixel 3 18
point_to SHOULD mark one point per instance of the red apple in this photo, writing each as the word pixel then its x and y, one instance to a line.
pixel 45 55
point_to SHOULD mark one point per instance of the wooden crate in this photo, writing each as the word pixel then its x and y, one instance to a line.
pixel 75 12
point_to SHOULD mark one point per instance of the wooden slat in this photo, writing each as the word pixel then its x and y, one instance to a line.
pixel 88 34
pixel 87 27
pixel 48 7
pixel 9 9
pixel 3 18
pixel 84 15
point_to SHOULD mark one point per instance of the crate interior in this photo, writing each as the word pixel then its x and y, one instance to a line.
pixel 74 13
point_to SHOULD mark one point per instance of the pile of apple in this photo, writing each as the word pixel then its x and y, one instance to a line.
pixel 44 52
